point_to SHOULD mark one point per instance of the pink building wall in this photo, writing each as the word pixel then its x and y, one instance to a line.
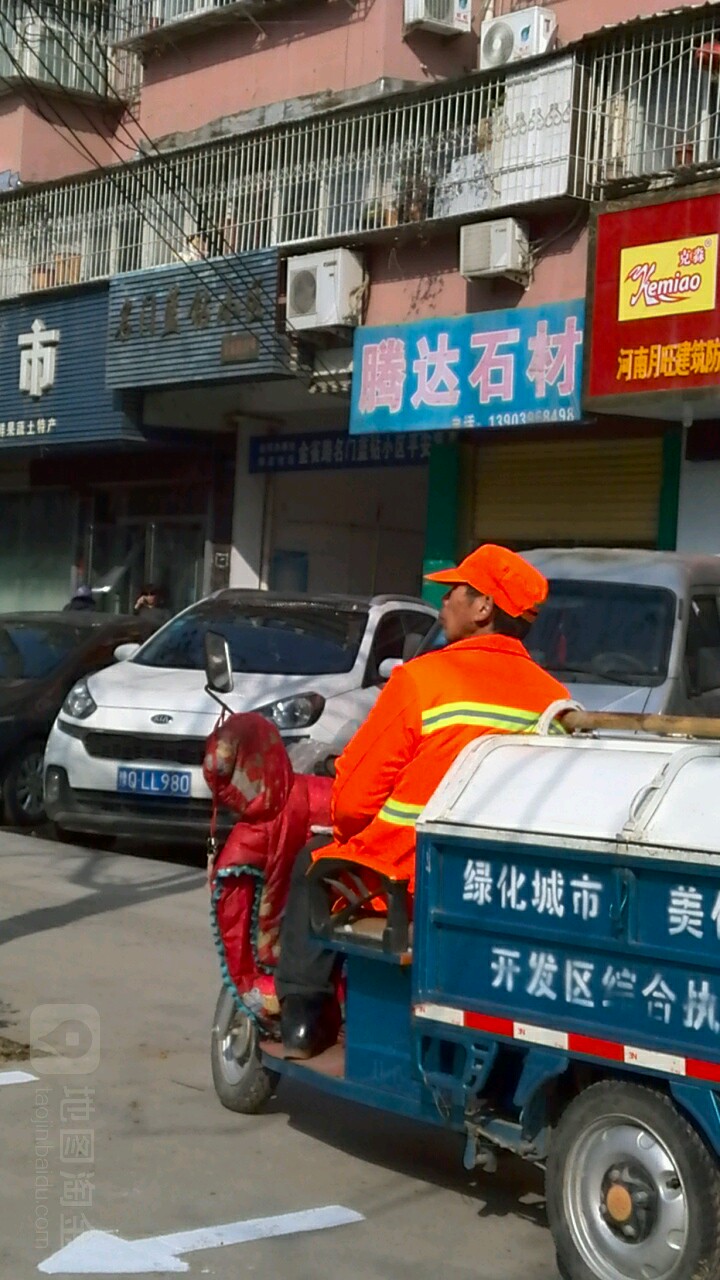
pixel 44 149
pixel 10 136
pixel 422 279
pixel 318 48
pixel 326 47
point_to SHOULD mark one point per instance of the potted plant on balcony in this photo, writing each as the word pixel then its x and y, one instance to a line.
pixel 416 181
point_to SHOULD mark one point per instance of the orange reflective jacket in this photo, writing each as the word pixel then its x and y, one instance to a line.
pixel 429 710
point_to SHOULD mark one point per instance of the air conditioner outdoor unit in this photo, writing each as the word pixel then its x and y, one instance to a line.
pixel 444 17
pixel 498 248
pixel 524 34
pixel 325 290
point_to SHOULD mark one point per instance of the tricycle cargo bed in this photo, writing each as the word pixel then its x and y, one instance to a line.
pixel 569 897
pixel 558 995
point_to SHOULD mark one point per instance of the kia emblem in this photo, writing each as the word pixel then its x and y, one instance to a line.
pixel 161 719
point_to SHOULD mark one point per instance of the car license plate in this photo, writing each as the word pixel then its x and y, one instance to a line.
pixel 155 782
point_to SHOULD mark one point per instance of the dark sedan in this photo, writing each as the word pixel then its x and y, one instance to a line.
pixel 41 657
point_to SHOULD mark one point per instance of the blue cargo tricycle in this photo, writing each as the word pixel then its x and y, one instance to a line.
pixel 556 995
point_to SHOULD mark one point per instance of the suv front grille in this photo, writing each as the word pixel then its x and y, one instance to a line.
pixel 154 748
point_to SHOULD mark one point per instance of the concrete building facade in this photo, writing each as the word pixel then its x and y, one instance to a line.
pixel 407 163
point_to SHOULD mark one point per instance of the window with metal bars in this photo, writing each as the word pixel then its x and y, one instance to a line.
pixel 66 43
pixel 651 102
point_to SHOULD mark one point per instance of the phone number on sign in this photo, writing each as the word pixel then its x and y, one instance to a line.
pixel 542 415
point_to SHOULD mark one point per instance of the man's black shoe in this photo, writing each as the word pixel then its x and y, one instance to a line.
pixel 308 1025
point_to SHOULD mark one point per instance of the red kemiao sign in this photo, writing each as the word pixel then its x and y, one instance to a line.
pixel 655 337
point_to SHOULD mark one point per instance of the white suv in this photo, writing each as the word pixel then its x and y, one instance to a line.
pixel 125 754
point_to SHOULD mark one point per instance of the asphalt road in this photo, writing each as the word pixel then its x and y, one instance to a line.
pixel 123 940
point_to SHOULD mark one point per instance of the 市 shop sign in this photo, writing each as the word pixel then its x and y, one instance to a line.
pixel 495 369
pixel 52 374
pixel 655 343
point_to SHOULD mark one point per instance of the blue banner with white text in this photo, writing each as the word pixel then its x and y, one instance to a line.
pixel 493 369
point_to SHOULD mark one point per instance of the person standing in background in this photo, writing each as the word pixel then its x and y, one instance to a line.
pixel 151 604
pixel 81 601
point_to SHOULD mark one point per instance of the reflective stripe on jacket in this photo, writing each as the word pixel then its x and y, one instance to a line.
pixel 429 710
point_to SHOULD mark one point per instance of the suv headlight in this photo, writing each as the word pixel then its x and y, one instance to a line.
pixel 79 703
pixel 294 713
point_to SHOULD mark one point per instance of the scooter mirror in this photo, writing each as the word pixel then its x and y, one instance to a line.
pixel 218 668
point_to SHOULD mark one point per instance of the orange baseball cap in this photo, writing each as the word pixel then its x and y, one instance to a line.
pixel 516 586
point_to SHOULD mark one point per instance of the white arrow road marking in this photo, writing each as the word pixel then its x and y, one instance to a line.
pixel 16 1077
pixel 100 1253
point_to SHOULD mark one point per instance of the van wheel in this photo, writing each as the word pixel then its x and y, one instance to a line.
pixel 241 1081
pixel 632 1191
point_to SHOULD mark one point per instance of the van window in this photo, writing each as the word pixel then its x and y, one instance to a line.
pixel 604 632
pixel 598 633
pixel 702 647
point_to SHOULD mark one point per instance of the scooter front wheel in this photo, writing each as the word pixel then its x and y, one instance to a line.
pixel 241 1081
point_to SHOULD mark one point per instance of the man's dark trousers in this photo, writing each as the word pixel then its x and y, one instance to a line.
pixel 306 966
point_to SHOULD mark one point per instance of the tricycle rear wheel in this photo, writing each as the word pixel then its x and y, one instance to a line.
pixel 241 1081
pixel 632 1191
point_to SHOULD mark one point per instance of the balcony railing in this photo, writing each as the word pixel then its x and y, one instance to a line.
pixel 142 22
pixel 651 94
pixel 65 44
pixel 628 109
pixel 496 142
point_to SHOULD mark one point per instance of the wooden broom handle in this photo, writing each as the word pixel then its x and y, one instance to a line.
pixel 630 722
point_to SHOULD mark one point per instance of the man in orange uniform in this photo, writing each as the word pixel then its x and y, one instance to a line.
pixel 483 682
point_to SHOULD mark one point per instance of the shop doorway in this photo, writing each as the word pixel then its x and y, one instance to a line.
pixel 126 555
pixel 343 531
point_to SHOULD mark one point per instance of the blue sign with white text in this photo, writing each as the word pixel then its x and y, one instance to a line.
pixel 336 451
pixel 556 941
pixel 52 373
pixel 492 369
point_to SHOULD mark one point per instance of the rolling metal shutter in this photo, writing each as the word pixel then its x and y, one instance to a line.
pixel 582 492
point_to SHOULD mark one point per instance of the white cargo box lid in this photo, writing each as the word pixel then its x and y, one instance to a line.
pixel 633 789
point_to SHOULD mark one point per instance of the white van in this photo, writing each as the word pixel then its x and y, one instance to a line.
pixel 627 630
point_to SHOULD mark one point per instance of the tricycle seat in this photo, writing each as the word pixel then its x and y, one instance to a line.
pixel 372 928
pixel 369 932
pixel 343 909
